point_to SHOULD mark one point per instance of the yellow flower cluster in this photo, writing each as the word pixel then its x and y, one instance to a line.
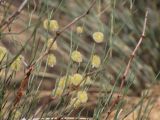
pixel 96 61
pixel 98 37
pixel 76 56
pixel 79 29
pixel 54 45
pixel 16 65
pixel 66 81
pixel 81 98
pixel 58 92
pixel 77 79
pixel 51 60
pixel 3 53
pixel 50 25
pixel 63 81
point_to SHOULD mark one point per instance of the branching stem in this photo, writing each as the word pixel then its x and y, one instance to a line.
pixel 123 78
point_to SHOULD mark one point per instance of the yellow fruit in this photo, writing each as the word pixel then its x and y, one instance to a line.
pixel 96 61
pixel 98 37
pixel 82 96
pixel 51 60
pixel 65 80
pixel 76 79
pixel 76 56
pixel 51 25
pixel 58 92
pixel 79 29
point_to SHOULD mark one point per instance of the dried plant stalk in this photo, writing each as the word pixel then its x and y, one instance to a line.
pixel 123 78
pixel 11 18
pixel 23 86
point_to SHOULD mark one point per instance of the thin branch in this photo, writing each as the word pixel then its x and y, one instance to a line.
pixel 7 22
pixel 58 33
pixel 123 78
pixel 134 51
pixel 23 86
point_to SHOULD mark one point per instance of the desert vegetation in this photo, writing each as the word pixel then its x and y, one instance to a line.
pixel 79 59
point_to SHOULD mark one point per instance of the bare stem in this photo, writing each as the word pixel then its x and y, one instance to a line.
pixel 7 22
pixel 134 51
pixel 123 78
pixel 23 86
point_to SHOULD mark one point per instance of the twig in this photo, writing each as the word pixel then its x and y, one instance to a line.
pixel 134 51
pixel 7 22
pixel 23 86
pixel 123 78
pixel 112 106
pixel 58 33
